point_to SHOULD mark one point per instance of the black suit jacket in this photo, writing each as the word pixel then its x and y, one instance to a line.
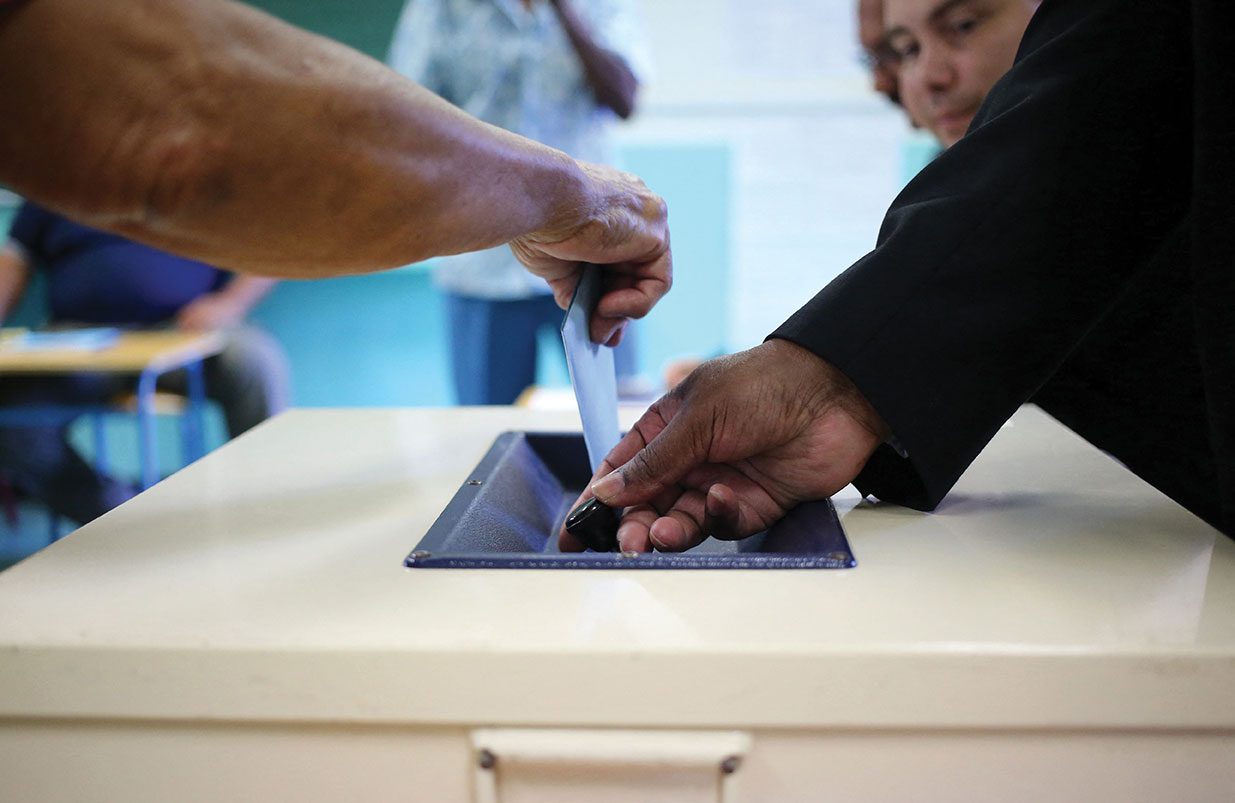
pixel 1068 250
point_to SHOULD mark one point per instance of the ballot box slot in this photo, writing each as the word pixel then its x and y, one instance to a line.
pixel 508 511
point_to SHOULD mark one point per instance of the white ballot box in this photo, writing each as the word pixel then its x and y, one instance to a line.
pixel 247 630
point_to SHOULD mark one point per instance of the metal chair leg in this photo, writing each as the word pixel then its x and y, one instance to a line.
pixel 146 432
pixel 191 422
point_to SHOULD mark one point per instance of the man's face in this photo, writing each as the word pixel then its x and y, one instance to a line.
pixel 949 53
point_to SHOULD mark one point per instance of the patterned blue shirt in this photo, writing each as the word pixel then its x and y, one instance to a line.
pixel 515 67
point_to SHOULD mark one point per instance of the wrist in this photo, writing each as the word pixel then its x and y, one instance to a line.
pixel 829 388
pixel 225 303
pixel 568 203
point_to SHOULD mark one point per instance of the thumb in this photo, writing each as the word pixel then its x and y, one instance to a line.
pixel 671 455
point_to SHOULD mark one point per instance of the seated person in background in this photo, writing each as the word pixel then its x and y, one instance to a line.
pixel 97 278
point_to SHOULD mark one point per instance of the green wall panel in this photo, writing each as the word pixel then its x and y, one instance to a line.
pixel 363 24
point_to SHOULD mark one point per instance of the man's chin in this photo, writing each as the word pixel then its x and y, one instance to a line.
pixel 950 131
pixel 948 137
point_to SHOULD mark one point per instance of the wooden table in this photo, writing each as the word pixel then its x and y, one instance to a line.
pixel 146 354
pixel 246 630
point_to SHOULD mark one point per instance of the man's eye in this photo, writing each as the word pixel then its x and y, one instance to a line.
pixel 962 26
pixel 904 51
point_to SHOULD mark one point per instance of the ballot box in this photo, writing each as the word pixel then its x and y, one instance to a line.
pixel 248 629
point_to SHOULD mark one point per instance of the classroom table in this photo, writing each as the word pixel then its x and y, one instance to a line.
pixel 246 630
pixel 146 354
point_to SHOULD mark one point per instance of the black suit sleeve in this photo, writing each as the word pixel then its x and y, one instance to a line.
pixel 1002 254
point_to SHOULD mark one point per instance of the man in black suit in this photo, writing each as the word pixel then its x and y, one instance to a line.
pixel 1073 248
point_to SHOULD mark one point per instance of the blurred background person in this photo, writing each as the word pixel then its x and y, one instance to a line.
pixel 878 60
pixel 558 72
pixel 939 58
pixel 95 278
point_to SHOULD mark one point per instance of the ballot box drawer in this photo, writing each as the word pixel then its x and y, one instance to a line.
pixel 153 762
pixel 508 511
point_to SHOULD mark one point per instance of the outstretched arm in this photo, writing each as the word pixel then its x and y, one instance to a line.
pixel 227 306
pixel 213 130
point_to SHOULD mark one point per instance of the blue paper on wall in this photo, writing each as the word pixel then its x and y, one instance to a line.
pixel 91 339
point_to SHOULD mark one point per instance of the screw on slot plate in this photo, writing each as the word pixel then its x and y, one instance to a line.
pixel 486 759
pixel 475 482
pixel 730 765
pixel 839 556
pixel 421 554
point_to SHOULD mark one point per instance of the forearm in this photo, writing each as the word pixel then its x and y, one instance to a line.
pixel 216 131
pixel 608 74
pixel 243 292
pixel 1002 256
pixel 14 274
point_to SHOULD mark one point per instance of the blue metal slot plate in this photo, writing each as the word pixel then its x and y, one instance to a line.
pixel 508 513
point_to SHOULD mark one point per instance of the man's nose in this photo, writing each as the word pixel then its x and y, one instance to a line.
pixel 938 67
